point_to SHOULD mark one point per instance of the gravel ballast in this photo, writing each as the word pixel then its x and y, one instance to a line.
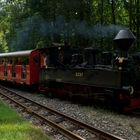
pixel 125 126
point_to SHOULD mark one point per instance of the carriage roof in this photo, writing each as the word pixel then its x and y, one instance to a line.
pixel 16 54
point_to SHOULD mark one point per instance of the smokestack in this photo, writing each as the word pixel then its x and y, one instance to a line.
pixel 124 39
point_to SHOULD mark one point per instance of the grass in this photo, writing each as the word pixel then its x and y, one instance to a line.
pixel 13 127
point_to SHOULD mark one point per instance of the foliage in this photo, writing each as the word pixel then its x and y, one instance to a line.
pixel 14 127
pixel 29 24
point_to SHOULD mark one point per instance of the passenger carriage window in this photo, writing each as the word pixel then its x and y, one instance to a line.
pixel 14 67
pixel 23 73
pixel 10 61
pixel 1 61
pixel 36 59
pixel 19 61
pixel 25 61
pixel 5 66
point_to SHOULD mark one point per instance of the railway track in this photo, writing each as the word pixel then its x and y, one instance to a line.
pixel 61 123
pixel 136 113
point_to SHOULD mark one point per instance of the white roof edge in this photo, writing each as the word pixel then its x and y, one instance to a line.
pixel 16 54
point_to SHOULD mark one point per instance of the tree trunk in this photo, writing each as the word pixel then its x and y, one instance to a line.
pixel 113 12
pixel 101 7
pixel 130 14
pixel 137 23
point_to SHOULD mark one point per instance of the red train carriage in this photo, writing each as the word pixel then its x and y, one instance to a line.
pixel 21 67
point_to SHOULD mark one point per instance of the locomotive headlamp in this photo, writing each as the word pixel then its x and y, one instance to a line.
pixel 128 89
pixel 59 48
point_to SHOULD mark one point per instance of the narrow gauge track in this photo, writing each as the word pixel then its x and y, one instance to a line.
pixel 136 113
pixel 55 119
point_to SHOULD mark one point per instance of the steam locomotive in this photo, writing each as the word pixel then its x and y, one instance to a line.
pixel 113 78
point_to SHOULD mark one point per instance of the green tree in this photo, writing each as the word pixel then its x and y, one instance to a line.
pixel 28 24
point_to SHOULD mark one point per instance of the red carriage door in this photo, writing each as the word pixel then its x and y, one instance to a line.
pixel 34 68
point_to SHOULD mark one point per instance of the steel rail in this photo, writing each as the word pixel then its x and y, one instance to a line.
pixel 99 133
pixel 65 132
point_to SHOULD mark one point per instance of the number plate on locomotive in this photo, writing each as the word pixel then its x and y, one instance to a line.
pixel 79 74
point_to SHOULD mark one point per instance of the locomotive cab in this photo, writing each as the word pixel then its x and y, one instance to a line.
pixel 90 56
pixel 107 58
